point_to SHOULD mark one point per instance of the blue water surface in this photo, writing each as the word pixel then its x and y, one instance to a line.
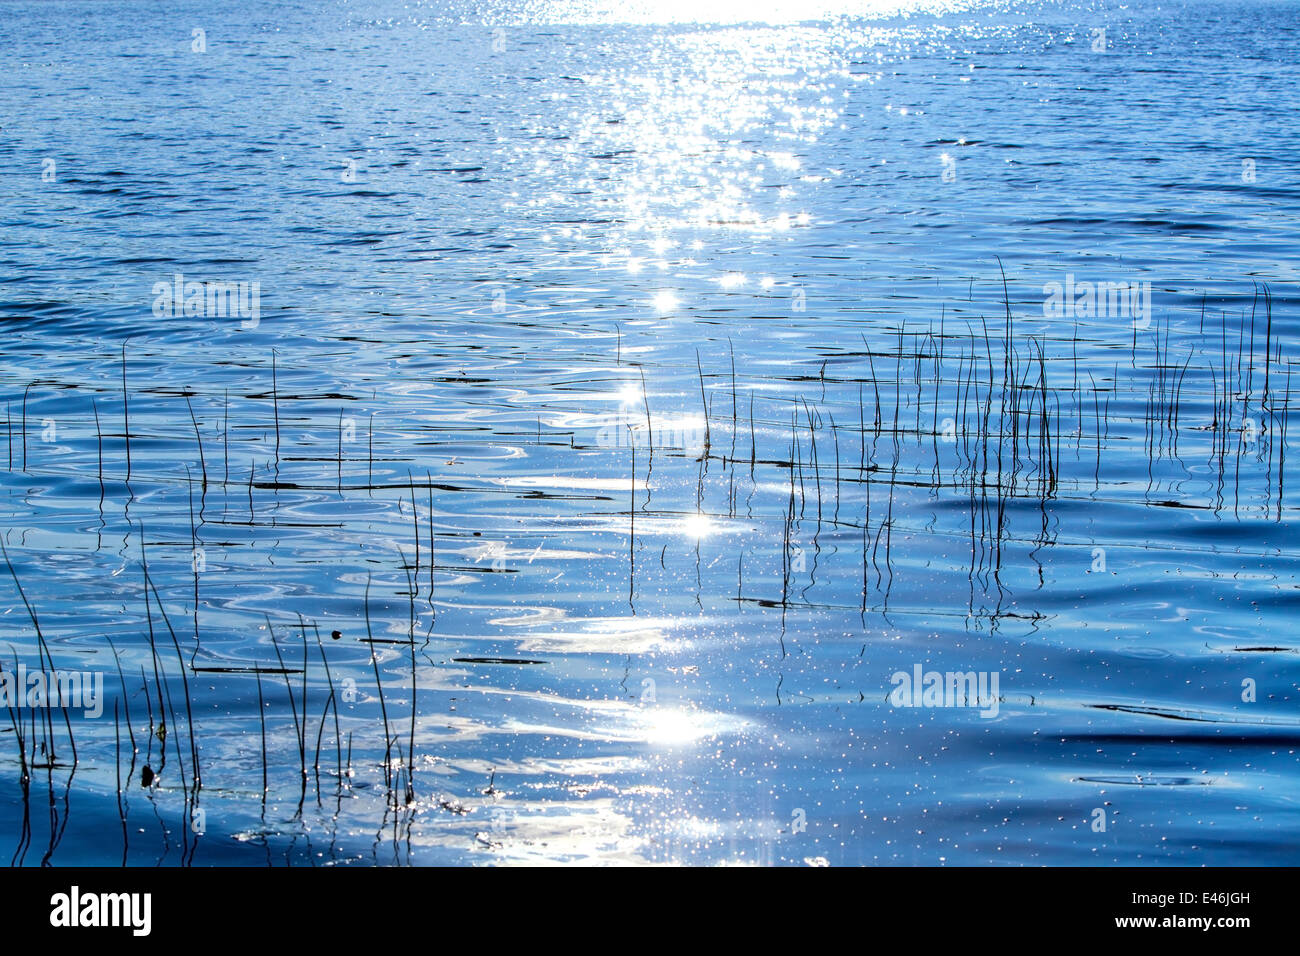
pixel 644 395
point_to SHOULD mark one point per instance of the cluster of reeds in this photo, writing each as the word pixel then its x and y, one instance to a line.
pixel 986 416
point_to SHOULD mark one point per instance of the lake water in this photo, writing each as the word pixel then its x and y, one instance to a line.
pixel 648 397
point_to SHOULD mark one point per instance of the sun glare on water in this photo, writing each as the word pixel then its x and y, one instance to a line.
pixel 697 526
pixel 725 11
